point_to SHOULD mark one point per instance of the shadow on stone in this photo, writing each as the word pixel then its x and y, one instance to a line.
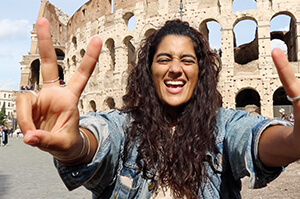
pixel 4 185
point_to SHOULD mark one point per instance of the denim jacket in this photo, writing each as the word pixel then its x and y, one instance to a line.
pixel 107 176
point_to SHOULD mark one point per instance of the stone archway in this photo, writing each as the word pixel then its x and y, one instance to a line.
pixel 93 106
pixel 280 101
pixel 248 97
pixel 35 74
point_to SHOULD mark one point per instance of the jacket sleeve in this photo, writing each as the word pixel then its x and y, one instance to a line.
pixel 242 134
pixel 108 128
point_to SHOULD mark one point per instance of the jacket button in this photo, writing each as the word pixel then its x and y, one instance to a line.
pixel 151 186
pixel 75 173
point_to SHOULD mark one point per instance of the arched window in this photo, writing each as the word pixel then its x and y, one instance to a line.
pixel 281 102
pixel 74 60
pixel 74 42
pixel 60 54
pixel 35 74
pixel 130 49
pixel 110 44
pixel 283 33
pixel 212 30
pixel 245 41
pixel 247 97
pixel 130 21
pixel 61 75
pixel 93 106
pixel 110 102
pixel 82 53
pixel 149 32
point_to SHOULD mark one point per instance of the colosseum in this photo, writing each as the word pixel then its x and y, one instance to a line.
pixel 248 79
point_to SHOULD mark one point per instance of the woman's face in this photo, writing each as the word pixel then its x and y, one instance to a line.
pixel 175 70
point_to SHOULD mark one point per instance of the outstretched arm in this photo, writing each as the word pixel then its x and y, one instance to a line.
pixel 50 120
pixel 280 145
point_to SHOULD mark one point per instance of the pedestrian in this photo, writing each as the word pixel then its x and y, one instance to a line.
pixel 292 117
pixel 1 131
pixel 18 133
pixel 172 138
pixel 4 136
pixel 283 114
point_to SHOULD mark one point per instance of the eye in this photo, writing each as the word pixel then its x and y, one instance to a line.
pixel 163 60
pixel 188 61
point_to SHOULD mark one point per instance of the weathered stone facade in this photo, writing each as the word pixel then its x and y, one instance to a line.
pixel 248 76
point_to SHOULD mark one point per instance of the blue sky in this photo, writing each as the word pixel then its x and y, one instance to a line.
pixel 16 20
pixel 18 16
pixel 245 30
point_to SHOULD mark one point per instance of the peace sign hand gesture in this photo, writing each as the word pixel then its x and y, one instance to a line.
pixel 279 145
pixel 289 81
pixel 50 120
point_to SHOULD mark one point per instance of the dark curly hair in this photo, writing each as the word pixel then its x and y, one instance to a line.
pixel 176 159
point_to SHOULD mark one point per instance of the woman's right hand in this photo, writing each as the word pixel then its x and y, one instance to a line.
pixel 50 120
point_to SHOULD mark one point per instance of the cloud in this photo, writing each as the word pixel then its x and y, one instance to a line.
pixel 276 43
pixel 12 53
pixel 18 29
pixel 9 84
pixel 5 53
pixel 10 75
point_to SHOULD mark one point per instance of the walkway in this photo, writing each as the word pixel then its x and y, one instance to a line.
pixel 28 173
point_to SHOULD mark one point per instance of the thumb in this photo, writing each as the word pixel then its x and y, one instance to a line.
pixel 58 144
pixel 45 140
pixel 31 138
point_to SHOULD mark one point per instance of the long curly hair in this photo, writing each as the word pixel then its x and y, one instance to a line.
pixel 176 159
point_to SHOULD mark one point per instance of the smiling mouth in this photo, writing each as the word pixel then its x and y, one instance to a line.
pixel 174 84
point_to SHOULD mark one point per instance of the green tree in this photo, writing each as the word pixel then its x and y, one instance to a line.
pixel 3 114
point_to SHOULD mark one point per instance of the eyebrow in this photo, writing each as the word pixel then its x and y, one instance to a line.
pixel 169 55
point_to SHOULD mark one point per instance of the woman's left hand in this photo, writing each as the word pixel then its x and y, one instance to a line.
pixel 289 81
pixel 280 145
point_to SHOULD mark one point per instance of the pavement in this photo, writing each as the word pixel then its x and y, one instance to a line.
pixel 28 173
pixel 286 186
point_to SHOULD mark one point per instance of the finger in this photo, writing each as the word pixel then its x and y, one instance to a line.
pixel 286 73
pixel 58 144
pixel 25 105
pixel 47 52
pixel 86 68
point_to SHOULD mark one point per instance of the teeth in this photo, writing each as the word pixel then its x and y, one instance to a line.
pixel 175 83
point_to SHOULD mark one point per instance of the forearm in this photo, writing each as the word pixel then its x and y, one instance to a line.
pixel 279 146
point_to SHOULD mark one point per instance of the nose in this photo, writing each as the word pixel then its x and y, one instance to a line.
pixel 175 66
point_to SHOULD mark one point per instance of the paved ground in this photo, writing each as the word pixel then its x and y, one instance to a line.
pixel 286 186
pixel 27 173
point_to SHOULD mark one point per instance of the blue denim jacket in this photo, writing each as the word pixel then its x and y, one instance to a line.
pixel 107 176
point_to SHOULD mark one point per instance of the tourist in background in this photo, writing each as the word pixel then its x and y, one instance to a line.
pixel 4 135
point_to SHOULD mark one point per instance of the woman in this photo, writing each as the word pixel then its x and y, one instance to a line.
pixel 172 138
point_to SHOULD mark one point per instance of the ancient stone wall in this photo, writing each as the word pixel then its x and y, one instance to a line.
pixel 30 64
pixel 248 71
